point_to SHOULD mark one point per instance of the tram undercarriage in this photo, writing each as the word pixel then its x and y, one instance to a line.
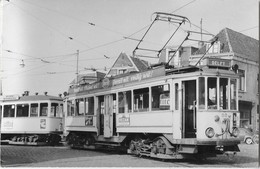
pixel 33 139
pixel 154 146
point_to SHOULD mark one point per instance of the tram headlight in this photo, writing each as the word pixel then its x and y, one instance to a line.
pixel 210 132
pixel 235 132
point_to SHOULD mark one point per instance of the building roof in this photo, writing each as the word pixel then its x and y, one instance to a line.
pixel 237 43
pixel 128 62
pixel 140 64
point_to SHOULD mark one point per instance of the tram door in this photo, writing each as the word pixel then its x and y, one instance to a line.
pixel 106 107
pixel 189 109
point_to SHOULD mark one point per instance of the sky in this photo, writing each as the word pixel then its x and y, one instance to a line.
pixel 41 39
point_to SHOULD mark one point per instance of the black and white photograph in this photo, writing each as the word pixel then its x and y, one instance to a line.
pixel 129 83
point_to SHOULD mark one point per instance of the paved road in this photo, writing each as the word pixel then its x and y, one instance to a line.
pixel 24 156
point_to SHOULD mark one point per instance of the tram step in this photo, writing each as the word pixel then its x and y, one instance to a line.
pixel 188 150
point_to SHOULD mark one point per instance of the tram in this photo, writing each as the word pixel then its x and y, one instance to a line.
pixel 165 112
pixel 159 113
pixel 31 119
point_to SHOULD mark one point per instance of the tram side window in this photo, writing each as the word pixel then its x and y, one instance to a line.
pixel 9 110
pixel 212 93
pixel 70 108
pixel 34 110
pixel 161 97
pixel 201 93
pixel 80 107
pixel 90 106
pixel 43 109
pixel 61 110
pixel 22 110
pixel 141 100
pixel 124 102
pixel 233 93
pixel 223 93
pixel 54 110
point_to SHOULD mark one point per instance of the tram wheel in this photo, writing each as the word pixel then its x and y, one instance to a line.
pixel 159 146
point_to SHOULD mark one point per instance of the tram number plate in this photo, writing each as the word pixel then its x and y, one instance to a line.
pixel 124 120
pixel 43 124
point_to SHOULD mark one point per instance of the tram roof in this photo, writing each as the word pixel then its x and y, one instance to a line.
pixel 33 98
pixel 158 72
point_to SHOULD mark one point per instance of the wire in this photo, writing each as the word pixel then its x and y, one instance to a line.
pixel 249 29
pixel 183 6
pixel 75 18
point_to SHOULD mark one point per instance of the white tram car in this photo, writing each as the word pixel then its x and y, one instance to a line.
pixel 160 113
pixel 31 119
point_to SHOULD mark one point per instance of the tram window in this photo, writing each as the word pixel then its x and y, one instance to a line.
pixel 201 93
pixel 141 100
pixel 43 109
pixel 160 97
pixel 54 110
pixel 9 110
pixel 90 106
pixel 124 102
pixel 223 93
pixel 70 108
pixel 22 110
pixel 80 108
pixel 212 93
pixel 233 93
pixel 61 110
pixel 34 110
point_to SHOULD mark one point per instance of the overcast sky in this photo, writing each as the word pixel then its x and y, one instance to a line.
pixel 45 35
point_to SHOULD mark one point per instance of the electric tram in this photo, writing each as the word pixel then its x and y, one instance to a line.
pixel 165 112
pixel 160 113
pixel 31 119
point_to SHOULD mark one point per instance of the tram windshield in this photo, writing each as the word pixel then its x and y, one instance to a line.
pixel 217 93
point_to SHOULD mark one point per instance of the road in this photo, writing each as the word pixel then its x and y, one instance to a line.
pixel 59 156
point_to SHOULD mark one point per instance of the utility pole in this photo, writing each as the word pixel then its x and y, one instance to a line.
pixel 1 44
pixel 77 70
pixel 201 29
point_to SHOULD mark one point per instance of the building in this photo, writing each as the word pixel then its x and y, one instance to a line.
pixel 127 64
pixel 243 51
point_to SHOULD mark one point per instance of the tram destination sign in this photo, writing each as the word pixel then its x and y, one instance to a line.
pixel 122 80
pixel 218 62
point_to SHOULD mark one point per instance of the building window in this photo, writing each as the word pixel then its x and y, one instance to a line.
pixel 122 71
pixel 242 79
pixel 213 49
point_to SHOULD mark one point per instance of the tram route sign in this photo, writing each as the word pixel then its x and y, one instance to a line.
pixel 218 62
